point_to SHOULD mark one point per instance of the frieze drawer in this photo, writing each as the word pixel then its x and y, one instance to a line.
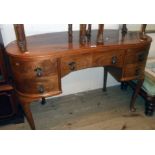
pixel 110 58
pixel 73 63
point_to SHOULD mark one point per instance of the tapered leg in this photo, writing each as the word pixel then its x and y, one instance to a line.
pixel 28 114
pixel 105 79
pixel 135 94
pixel 25 103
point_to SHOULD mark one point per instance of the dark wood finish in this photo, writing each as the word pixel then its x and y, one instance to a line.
pixel 63 57
pixel 149 100
pixel 124 29
pixel 70 33
pixel 70 29
pixel 135 94
pixel 105 79
pixel 3 68
pixel 89 32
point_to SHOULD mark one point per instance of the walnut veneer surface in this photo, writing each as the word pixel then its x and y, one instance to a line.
pixel 37 72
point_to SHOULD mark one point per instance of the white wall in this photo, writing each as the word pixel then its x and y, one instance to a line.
pixel 78 81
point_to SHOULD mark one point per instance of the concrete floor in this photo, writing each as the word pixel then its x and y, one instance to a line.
pixel 92 110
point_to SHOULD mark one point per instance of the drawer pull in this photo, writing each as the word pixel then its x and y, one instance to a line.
pixel 141 57
pixel 72 66
pixel 137 72
pixel 114 60
pixel 39 72
pixel 41 89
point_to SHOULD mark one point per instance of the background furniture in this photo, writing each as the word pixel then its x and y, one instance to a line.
pixel 39 62
pixel 9 107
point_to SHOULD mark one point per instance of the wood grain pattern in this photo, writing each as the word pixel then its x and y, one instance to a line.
pixel 55 56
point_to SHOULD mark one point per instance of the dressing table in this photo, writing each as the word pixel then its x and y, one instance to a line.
pixel 39 62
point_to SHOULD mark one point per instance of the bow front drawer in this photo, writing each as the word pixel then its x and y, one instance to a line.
pixel 38 86
pixel 132 71
pixel 138 55
pixel 35 68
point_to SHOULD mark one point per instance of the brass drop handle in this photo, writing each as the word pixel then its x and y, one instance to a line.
pixel 72 66
pixel 39 72
pixel 141 57
pixel 41 89
pixel 137 72
pixel 114 60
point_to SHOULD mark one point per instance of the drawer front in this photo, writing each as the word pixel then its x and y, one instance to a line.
pixel 32 69
pixel 73 63
pixel 40 85
pixel 134 70
pixel 136 56
pixel 109 58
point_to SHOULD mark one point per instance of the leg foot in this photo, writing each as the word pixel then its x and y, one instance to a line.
pixel 124 85
pixel 132 109
pixel 43 101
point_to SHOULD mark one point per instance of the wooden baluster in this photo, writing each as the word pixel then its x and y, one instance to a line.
pixel 83 33
pixel 70 33
pixel 124 29
pixel 143 28
pixel 20 36
pixel 89 32
pixel 70 29
pixel 100 37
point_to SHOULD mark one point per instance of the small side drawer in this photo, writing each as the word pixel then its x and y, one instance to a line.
pixel 109 58
pixel 73 63
pixel 38 86
pixel 36 68
pixel 133 70
pixel 136 56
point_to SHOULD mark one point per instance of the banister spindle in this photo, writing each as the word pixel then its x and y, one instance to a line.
pixel 124 29
pixel 89 33
pixel 82 33
pixel 70 29
pixel 89 30
pixel 100 37
pixel 20 36
pixel 70 33
pixel 143 28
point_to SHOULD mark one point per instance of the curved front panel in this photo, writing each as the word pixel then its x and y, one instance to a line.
pixel 36 77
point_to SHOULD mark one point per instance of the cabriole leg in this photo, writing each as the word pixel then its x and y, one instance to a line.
pixel 25 103
pixel 135 94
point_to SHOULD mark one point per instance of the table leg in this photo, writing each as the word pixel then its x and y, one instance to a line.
pixel 105 79
pixel 135 94
pixel 25 103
